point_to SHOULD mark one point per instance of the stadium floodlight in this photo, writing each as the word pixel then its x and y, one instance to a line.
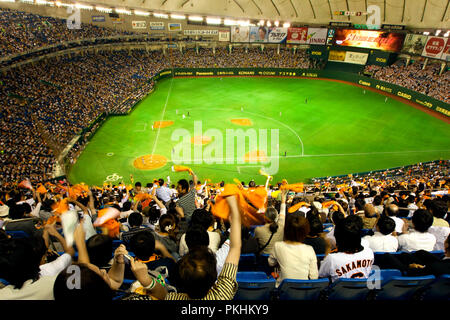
pixel 426 33
pixel 243 23
pixel 447 33
pixel 268 23
pixel 213 20
pixel 161 15
pixel 261 22
pixel 7 0
pixel 123 11
pixel 103 9
pixel 27 1
pixel 229 22
pixel 437 32
pixel 178 16
pixel 277 23
pixel 83 6
pixel 43 2
pixel 195 18
pixel 286 25
pixel 141 13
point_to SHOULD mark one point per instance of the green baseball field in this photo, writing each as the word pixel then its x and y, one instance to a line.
pixel 225 128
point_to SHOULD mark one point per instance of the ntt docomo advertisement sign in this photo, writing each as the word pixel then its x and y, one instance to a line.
pixel 434 47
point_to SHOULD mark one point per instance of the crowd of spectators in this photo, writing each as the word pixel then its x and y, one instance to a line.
pixel 154 240
pixel 414 77
pixel 21 31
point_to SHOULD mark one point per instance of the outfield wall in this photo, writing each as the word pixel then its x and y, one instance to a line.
pixel 383 87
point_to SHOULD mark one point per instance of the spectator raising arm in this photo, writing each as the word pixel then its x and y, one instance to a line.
pixel 235 232
pixel 140 271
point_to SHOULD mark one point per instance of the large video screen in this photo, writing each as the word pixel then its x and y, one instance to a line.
pixel 371 39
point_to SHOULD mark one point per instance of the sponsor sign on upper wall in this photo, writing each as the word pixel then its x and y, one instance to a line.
pixel 434 47
pixel 156 25
pixel 414 43
pixel 259 34
pixel 317 36
pixel 201 32
pixel 139 24
pixel 277 35
pixel 446 53
pixel 240 34
pixel 174 26
pixel 224 35
pixel 98 18
pixel 297 35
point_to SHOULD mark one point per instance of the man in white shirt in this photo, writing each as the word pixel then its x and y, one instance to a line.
pixel 419 238
pixel 352 259
pixel 383 240
pixel 391 211
pixel 163 192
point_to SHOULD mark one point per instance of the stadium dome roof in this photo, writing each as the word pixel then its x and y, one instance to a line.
pixel 413 13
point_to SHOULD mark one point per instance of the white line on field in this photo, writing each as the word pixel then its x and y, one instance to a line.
pixel 224 160
pixel 162 117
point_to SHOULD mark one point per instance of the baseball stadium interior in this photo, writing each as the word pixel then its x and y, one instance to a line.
pixel 120 178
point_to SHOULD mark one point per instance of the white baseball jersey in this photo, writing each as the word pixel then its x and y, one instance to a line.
pixel 347 265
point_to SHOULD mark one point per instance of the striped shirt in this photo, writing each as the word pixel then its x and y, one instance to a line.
pixel 224 289
pixel 187 202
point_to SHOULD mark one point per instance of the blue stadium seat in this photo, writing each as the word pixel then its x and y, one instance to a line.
pixel 17 234
pixel 348 289
pixel 292 289
pixel 247 262
pixel 438 289
pixel 438 253
pixel 387 274
pixel 254 286
pixel 402 288
pixel 4 282
pixel 263 263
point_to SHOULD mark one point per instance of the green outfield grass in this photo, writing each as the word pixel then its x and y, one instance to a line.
pixel 339 130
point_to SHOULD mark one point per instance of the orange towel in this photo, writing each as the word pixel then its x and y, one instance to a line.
pixel 296 187
pixel 297 206
pixel 25 184
pixel 249 214
pixel 106 218
pixel 179 168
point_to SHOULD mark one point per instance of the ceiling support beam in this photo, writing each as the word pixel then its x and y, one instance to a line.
pixel 243 11
pixel 295 10
pixel 259 9
pixel 423 12
pixel 312 8
pixel 445 11
pixel 276 8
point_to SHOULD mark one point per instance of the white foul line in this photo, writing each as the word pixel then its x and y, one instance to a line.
pixel 223 160
pixel 162 117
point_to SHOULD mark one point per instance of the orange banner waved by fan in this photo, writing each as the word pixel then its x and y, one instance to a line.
pixel 250 214
pixel 296 187
pixel 179 168
pixel 25 184
pixel 106 219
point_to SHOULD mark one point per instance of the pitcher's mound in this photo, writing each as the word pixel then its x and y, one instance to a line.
pixel 150 162
pixel 255 156
pixel 162 124
pixel 200 140
pixel 242 122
